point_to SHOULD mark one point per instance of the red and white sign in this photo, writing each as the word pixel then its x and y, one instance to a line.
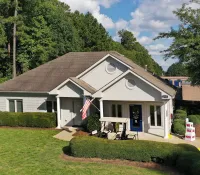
pixel 190 131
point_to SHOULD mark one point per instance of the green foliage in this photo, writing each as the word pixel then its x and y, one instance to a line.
pixel 189 163
pixel 50 30
pixel 178 127
pixel 28 119
pixel 93 123
pixel 139 150
pixel 195 119
pixel 177 69
pixel 186 40
pixel 180 116
pixel 180 111
pixel 127 39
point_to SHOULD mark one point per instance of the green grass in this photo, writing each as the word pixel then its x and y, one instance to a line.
pixel 24 151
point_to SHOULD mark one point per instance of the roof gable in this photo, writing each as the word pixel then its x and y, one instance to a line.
pixel 50 75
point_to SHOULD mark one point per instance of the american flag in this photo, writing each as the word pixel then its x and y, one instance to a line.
pixel 85 108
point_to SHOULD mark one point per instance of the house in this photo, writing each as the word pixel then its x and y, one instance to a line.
pixel 187 96
pixel 121 90
pixel 177 80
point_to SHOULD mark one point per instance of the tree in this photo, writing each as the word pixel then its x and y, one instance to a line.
pixel 177 69
pixel 127 39
pixel 186 41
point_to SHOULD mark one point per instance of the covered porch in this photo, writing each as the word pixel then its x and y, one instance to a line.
pixel 143 117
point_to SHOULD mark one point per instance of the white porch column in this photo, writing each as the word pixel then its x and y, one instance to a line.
pixel 58 113
pixel 166 120
pixel 101 108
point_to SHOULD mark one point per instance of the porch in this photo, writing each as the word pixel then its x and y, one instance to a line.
pixel 142 117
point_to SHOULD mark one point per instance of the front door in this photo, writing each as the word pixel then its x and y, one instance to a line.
pixel 136 118
pixel 77 105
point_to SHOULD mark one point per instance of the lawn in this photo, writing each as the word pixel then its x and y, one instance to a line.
pixel 25 151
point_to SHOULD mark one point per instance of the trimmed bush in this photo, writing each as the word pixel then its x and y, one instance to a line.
pixel 93 123
pixel 179 111
pixel 178 127
pixel 139 150
pixel 195 119
pixel 189 163
pixel 28 119
pixel 180 116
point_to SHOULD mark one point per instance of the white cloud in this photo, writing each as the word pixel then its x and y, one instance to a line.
pixel 145 40
pixel 93 6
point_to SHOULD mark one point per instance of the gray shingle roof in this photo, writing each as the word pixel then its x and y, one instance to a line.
pixel 48 76
pixel 84 85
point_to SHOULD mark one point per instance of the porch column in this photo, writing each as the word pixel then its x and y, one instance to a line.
pixel 101 108
pixel 58 113
pixel 166 121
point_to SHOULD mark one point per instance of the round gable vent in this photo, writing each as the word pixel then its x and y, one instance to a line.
pixel 130 83
pixel 111 68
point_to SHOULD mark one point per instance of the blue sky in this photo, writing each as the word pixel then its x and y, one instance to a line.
pixel 144 18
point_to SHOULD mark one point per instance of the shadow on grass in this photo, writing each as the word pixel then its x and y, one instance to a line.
pixel 66 150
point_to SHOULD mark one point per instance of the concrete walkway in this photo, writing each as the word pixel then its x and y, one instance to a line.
pixel 66 134
pixel 173 139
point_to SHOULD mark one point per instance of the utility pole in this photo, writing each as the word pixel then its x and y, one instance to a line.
pixel 14 40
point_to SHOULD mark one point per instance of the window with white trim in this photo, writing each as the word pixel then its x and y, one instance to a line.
pixel 116 110
pixel 111 68
pixel 51 106
pixel 155 115
pixel 15 105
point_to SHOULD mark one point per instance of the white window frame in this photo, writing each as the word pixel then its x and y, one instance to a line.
pixel 155 116
pixel 116 109
pixel 15 103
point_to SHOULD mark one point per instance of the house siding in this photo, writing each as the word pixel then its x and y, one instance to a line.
pixel 141 92
pixel 31 102
pixel 147 128
pixel 99 77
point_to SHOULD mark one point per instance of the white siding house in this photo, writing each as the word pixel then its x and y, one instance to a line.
pixel 120 89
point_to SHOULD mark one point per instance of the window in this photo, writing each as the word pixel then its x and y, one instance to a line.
pixel 158 112
pixel 51 106
pixel 15 106
pixel 130 83
pixel 155 116
pixel 152 116
pixel 110 68
pixel 116 110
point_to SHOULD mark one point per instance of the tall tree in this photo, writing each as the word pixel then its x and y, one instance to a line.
pixel 177 69
pixel 186 40
pixel 127 39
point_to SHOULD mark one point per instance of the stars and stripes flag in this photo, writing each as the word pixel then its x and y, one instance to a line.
pixel 85 108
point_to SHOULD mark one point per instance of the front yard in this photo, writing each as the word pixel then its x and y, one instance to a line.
pixel 26 151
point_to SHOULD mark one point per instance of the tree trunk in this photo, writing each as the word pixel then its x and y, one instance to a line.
pixel 14 41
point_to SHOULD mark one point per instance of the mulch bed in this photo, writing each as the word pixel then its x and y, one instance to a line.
pixel 81 133
pixel 149 165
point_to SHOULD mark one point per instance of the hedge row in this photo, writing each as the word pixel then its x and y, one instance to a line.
pixel 28 119
pixel 189 163
pixel 195 119
pixel 139 150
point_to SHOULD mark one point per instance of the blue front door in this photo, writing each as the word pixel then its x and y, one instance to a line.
pixel 136 117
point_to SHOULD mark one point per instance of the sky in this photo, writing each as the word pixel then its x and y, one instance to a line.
pixel 145 18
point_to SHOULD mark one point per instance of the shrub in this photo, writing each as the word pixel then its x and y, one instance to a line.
pixel 178 127
pixel 139 150
pixel 180 116
pixel 93 123
pixel 189 163
pixel 195 119
pixel 179 111
pixel 28 119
